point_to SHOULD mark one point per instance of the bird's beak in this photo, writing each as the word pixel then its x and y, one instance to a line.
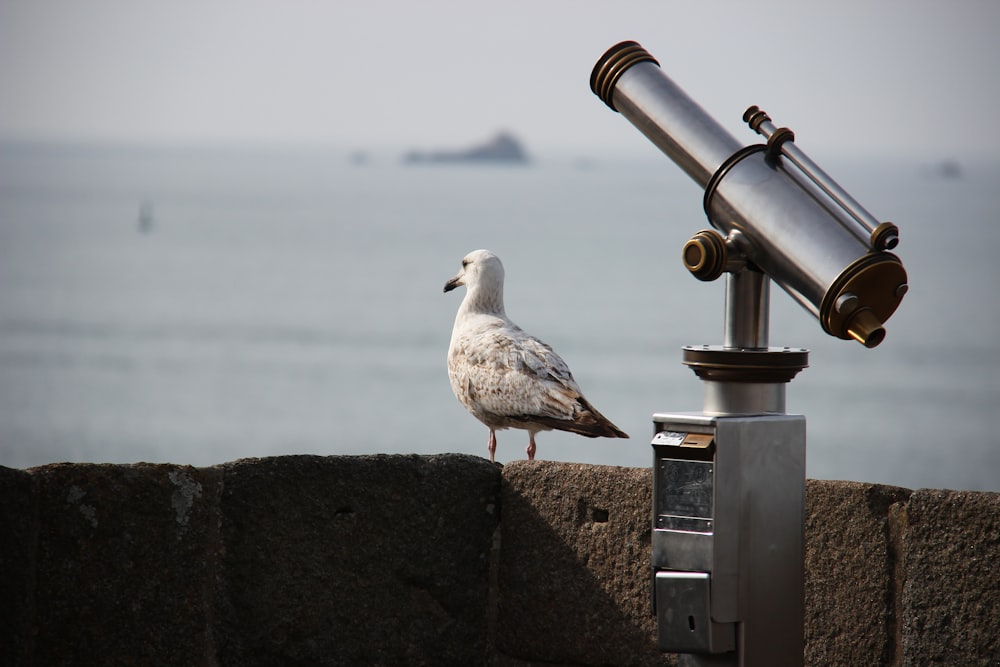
pixel 453 283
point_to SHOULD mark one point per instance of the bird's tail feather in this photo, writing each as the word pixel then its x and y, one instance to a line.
pixel 590 423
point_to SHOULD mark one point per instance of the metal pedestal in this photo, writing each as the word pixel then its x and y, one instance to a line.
pixel 729 501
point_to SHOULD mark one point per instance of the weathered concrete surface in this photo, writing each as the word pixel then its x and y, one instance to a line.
pixel 292 560
pixel 574 566
pixel 17 563
pixel 122 565
pixel 576 591
pixel 849 573
pixel 371 560
pixel 950 599
pixel 387 560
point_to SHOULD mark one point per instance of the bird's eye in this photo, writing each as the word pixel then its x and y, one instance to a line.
pixel 465 263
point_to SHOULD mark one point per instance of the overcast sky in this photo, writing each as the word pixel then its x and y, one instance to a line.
pixel 900 77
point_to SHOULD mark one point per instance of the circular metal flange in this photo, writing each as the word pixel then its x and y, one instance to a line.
pixel 722 364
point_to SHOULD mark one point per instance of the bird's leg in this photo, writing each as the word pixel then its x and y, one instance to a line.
pixel 492 446
pixel 531 446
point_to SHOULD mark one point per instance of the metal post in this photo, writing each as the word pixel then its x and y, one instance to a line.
pixel 747 304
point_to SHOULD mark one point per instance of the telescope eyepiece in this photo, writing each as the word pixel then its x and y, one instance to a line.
pixel 865 328
pixel 754 116
pixel 885 236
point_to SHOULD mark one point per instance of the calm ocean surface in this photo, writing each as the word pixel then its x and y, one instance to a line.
pixel 291 303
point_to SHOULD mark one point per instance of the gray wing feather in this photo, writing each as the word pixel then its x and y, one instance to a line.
pixel 515 376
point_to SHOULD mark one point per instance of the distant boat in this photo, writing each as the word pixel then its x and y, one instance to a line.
pixel 503 148
pixel 359 158
pixel 146 216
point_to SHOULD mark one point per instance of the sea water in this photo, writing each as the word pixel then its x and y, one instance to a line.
pixel 198 306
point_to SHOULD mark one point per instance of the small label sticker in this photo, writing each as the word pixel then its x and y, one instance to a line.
pixel 673 438
pixel 700 440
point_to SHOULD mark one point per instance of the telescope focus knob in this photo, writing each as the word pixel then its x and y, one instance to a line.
pixel 704 255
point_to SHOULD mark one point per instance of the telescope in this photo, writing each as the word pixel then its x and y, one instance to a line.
pixel 775 208
pixel 729 482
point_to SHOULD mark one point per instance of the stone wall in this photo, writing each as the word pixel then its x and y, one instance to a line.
pixel 388 560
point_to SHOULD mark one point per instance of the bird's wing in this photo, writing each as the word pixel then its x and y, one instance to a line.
pixel 512 374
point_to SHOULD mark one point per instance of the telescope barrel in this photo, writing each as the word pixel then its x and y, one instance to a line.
pixel 630 81
pixel 803 231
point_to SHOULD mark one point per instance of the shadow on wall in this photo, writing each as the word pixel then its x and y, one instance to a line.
pixel 574 565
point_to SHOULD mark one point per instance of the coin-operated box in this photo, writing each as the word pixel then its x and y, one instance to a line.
pixel 727 545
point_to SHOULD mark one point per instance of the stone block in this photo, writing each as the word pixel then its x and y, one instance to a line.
pixel 17 551
pixel 573 571
pixel 360 560
pixel 123 565
pixel 849 573
pixel 950 544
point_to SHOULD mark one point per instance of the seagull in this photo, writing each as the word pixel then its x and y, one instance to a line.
pixel 505 377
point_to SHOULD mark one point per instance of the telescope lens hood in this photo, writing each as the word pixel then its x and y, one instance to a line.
pixel 613 64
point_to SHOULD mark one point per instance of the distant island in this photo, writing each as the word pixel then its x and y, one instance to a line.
pixel 504 148
pixel 949 169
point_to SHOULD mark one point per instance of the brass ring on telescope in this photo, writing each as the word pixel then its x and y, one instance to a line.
pixel 720 173
pixel 777 138
pixel 613 64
